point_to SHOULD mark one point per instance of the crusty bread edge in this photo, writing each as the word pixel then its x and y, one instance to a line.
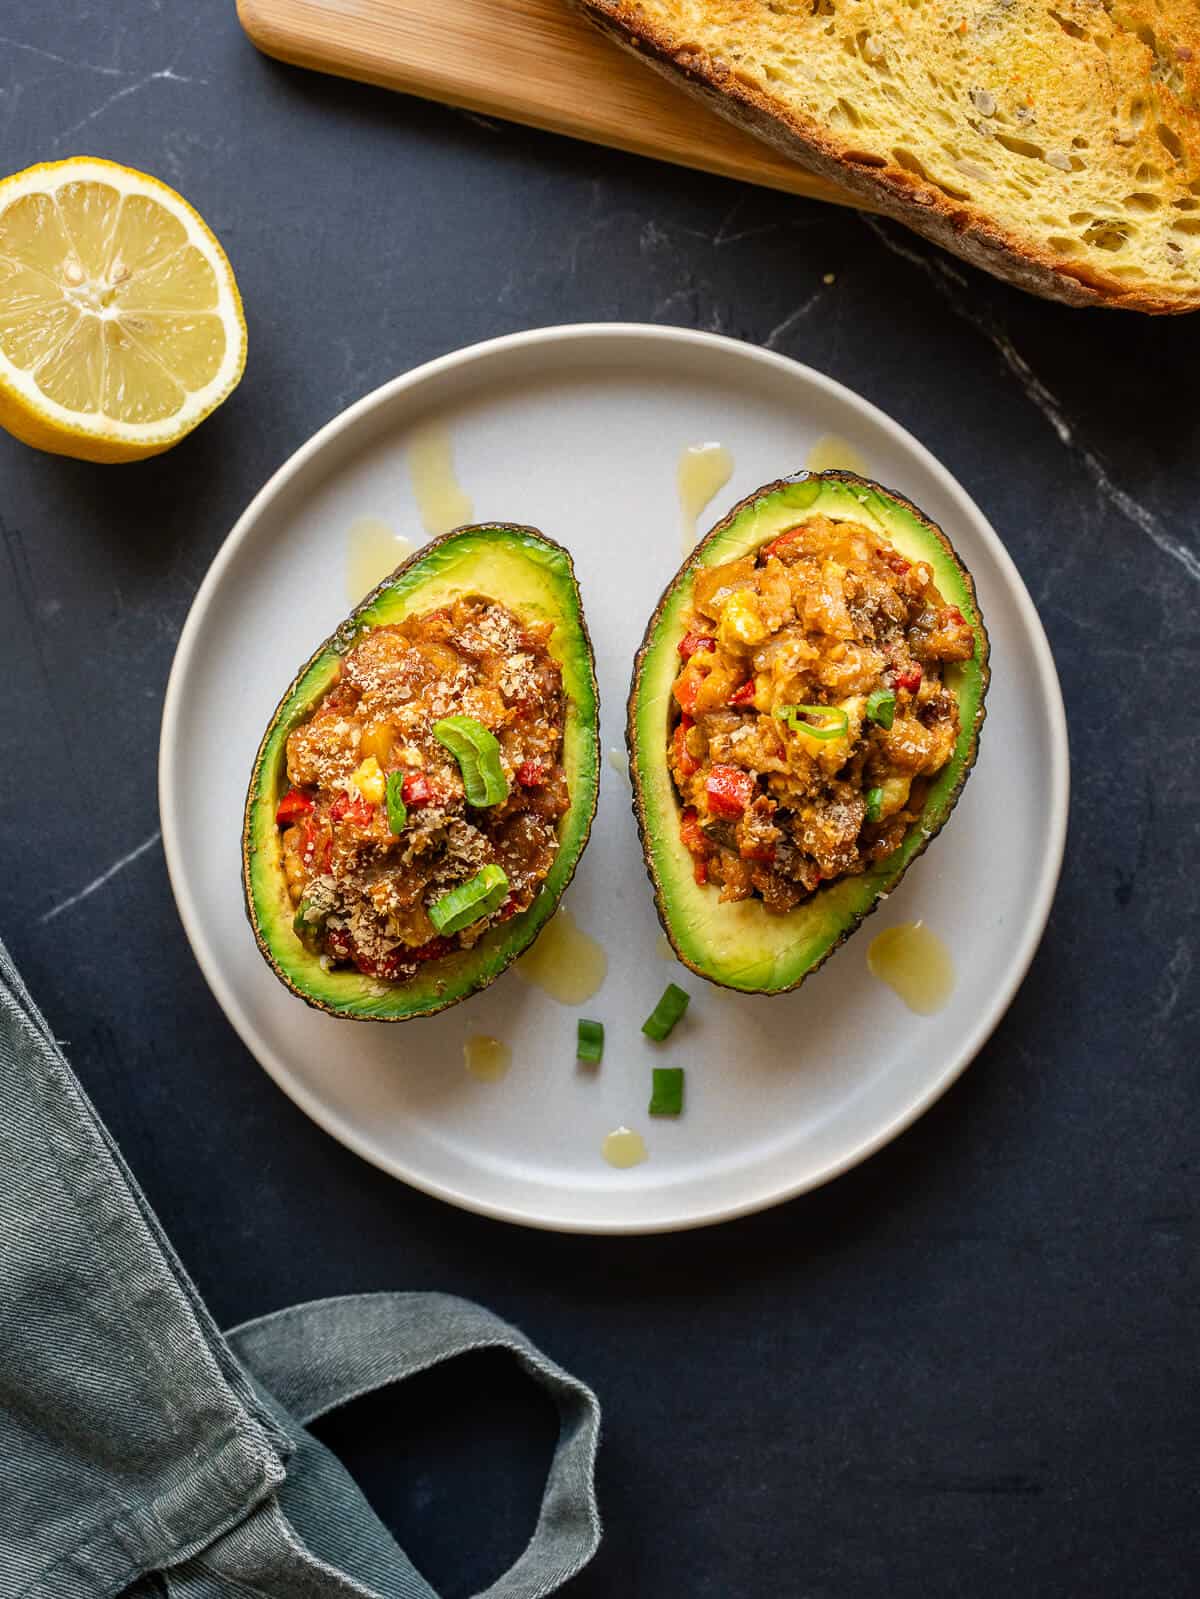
pixel 960 227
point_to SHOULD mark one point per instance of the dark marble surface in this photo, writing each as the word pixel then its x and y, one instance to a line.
pixel 969 1367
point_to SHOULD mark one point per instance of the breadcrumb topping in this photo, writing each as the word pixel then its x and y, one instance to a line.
pixel 812 709
pixel 362 892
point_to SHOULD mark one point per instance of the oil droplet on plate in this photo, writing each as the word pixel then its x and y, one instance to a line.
pixel 703 470
pixel 373 550
pixel 564 962
pixel 439 495
pixel 487 1058
pixel 624 1148
pixel 619 762
pixel 915 964
pixel 831 451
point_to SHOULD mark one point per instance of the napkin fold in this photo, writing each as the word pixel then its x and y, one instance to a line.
pixel 142 1450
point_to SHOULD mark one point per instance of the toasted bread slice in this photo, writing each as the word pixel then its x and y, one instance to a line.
pixel 1055 143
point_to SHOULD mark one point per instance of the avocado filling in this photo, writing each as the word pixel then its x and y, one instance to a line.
pixel 811 709
pixel 427 788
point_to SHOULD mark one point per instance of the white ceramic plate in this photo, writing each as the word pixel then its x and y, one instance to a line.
pixel 578 430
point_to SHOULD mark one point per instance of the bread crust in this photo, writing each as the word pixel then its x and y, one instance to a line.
pixel 961 227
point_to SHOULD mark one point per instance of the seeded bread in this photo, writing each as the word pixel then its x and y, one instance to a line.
pixel 1056 143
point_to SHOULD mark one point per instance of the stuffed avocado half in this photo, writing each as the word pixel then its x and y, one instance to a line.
pixel 426 786
pixel 805 709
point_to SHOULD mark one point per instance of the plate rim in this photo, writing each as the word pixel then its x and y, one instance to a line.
pixel 347 420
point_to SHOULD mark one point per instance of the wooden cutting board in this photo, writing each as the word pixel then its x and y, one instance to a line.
pixel 532 61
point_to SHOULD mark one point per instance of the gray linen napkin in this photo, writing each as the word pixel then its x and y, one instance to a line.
pixel 142 1450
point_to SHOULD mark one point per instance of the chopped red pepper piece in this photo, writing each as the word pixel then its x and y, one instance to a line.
pixel 389 965
pixel 682 759
pixel 729 790
pixel 692 834
pixel 745 694
pixel 292 807
pixel 385 966
pixel 530 774
pixel 417 789
pixel 394 963
pixel 909 678
pixel 690 643
pixel 430 952
pixel 784 539
pixel 357 811
pixel 312 836
pixel 897 562
pixel 694 840
pixel 955 616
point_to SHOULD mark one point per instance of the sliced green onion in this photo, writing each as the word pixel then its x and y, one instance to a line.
pixel 874 804
pixel 479 896
pixel 836 724
pixel 397 810
pixel 666 1013
pixel 881 707
pixel 590 1047
pixel 666 1097
pixel 478 757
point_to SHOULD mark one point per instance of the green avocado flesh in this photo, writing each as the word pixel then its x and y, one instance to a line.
pixel 534 577
pixel 741 945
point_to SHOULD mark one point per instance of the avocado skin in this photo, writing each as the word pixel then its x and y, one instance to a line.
pixel 440 983
pixel 927 541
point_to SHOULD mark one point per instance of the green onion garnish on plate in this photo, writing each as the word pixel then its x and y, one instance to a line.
pixel 874 804
pixel 666 1096
pixel 590 1047
pixel 666 1013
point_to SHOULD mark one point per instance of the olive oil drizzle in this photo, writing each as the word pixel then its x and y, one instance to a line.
pixel 487 1059
pixel 915 964
pixel 373 550
pixel 832 451
pixel 702 472
pixel 441 501
pixel 624 1148
pixel 565 962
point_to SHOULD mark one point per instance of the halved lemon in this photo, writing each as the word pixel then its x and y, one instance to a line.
pixel 121 325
